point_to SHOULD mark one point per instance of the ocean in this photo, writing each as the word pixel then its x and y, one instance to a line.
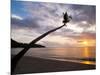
pixel 84 55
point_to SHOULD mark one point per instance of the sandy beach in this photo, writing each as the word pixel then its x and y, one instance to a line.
pixel 37 65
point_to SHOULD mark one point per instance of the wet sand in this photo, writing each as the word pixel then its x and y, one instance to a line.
pixel 37 65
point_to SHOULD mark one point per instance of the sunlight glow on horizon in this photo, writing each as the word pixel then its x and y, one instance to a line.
pixel 87 42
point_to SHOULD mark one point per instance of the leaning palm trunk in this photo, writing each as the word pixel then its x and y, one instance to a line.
pixel 15 60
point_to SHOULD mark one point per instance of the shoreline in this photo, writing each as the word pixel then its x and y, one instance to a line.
pixel 38 65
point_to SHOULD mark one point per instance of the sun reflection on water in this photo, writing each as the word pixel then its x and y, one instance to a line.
pixel 88 62
pixel 86 52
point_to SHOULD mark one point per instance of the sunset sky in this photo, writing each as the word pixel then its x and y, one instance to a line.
pixel 31 19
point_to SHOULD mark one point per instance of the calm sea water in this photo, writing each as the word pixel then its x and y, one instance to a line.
pixel 75 54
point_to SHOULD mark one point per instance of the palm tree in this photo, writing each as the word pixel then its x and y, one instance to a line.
pixel 16 58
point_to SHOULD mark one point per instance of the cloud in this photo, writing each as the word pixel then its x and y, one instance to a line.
pixel 24 23
pixel 84 13
pixel 57 41
pixel 40 17
pixel 84 35
pixel 91 29
pixel 16 17
pixel 24 35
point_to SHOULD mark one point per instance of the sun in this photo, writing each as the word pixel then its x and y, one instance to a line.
pixel 85 43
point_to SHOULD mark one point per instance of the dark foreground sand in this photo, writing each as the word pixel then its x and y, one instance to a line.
pixel 38 65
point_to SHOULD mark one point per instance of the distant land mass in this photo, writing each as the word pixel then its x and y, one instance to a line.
pixel 15 44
